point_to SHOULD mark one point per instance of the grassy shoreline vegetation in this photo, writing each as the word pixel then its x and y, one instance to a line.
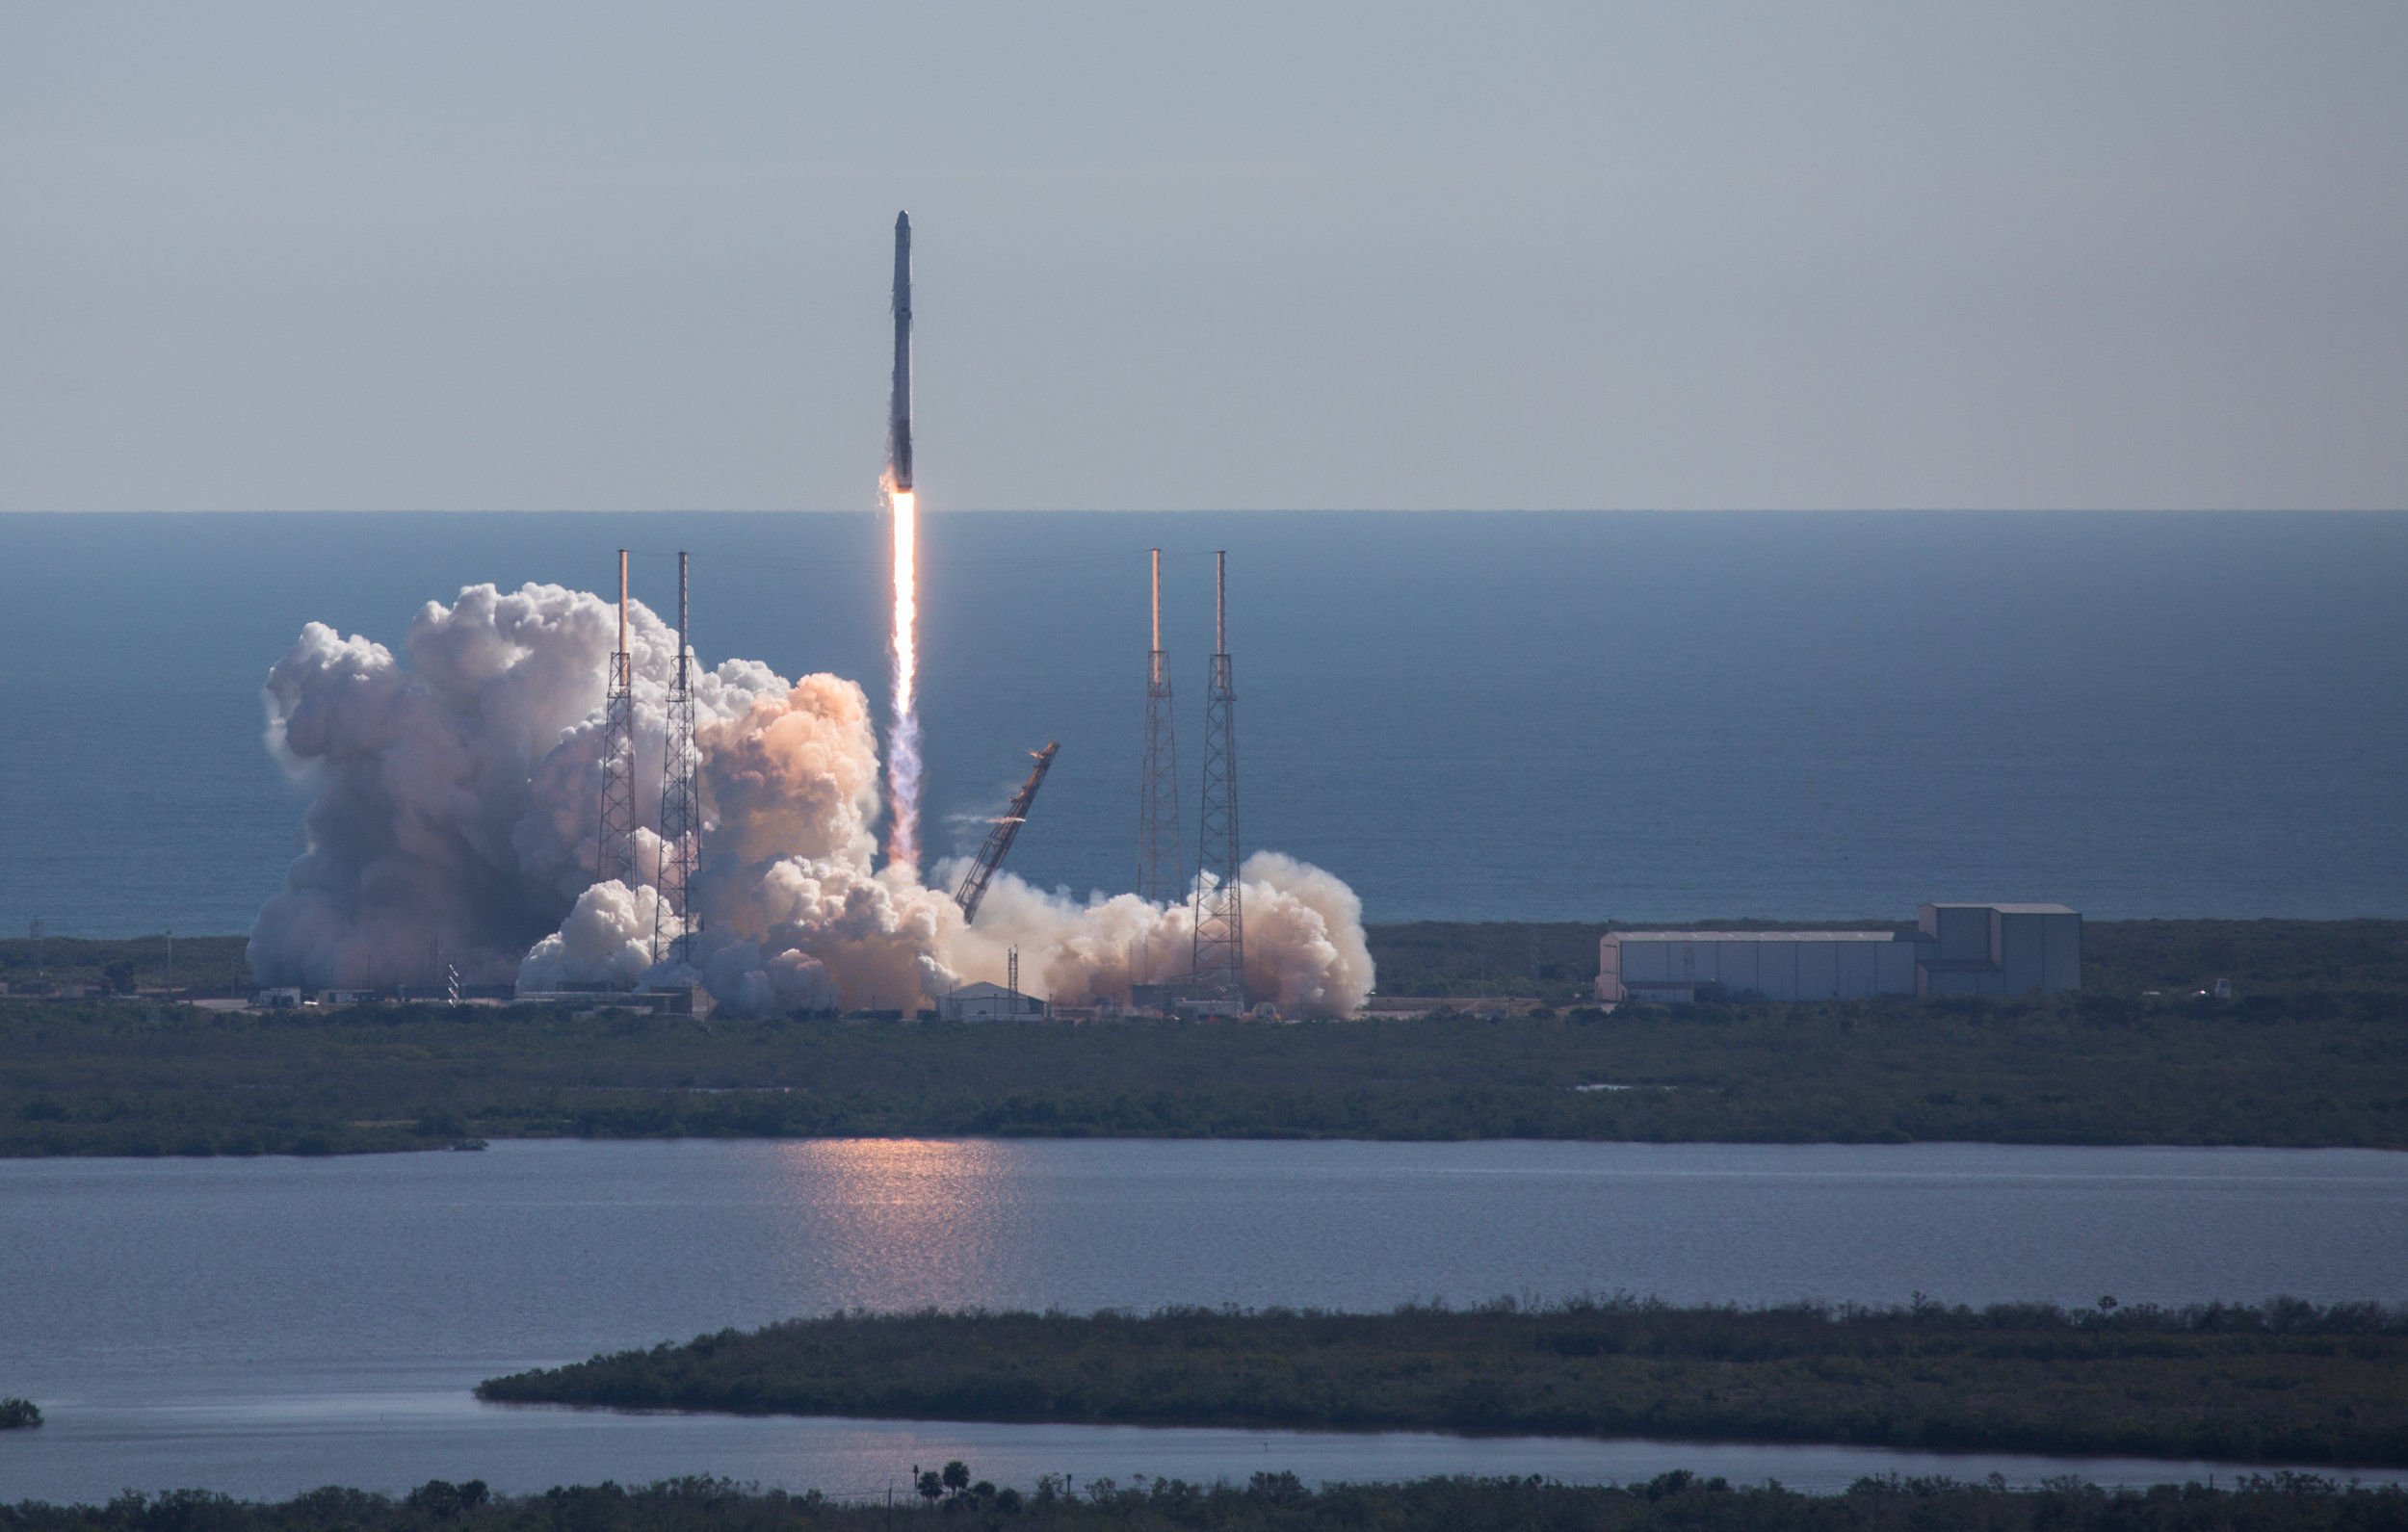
pixel 2285 1382
pixel 200 966
pixel 2310 1055
pixel 1677 1501
pixel 96 1077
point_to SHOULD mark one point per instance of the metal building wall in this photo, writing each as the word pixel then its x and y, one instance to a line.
pixel 1962 931
pixel 2020 943
pixel 1788 966
pixel 2000 948
pixel 1958 950
pixel 1739 965
pixel 1894 968
pixel 2062 970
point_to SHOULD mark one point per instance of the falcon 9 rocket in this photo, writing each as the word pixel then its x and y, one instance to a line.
pixel 899 405
pixel 903 766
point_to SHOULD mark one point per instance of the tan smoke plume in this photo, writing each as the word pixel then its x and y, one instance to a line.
pixel 457 799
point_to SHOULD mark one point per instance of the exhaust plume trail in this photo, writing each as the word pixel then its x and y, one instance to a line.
pixel 902 734
pixel 903 766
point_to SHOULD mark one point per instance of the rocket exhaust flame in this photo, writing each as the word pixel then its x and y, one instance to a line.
pixel 902 759
pixel 903 763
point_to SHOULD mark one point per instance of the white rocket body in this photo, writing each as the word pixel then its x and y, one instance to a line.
pixel 898 406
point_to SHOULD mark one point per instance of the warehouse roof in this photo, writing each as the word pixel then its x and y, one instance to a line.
pixel 982 989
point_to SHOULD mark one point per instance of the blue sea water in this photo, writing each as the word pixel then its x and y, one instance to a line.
pixel 1470 716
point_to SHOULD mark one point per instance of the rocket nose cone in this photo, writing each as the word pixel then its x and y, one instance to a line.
pixel 903 222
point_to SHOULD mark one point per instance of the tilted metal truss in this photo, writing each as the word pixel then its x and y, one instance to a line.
pixel 999 839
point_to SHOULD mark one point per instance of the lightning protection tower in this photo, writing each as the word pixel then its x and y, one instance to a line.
pixel 1161 858
pixel 614 849
pixel 681 803
pixel 1219 908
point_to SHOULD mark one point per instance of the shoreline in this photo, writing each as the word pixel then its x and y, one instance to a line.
pixel 2212 1383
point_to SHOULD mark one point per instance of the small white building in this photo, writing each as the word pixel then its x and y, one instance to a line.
pixel 982 1001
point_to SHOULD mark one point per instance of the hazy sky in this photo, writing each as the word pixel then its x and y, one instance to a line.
pixel 634 256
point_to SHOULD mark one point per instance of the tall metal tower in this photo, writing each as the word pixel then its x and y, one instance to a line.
pixel 681 803
pixel 1219 912
pixel 1162 857
pixel 614 849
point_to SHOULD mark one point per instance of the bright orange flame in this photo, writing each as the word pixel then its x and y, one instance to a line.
pixel 903 765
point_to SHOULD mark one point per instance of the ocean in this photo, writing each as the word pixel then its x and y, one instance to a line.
pixel 1543 716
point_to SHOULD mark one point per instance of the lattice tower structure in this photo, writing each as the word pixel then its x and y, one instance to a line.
pixel 1219 903
pixel 615 846
pixel 1162 852
pixel 999 839
pixel 681 804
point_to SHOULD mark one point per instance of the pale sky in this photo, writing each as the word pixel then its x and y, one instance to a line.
pixel 592 255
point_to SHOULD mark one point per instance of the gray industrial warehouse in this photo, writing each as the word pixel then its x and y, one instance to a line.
pixel 1998 950
pixel 1954 949
pixel 982 1001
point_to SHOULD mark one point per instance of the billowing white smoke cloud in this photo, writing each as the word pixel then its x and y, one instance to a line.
pixel 455 815
pixel 456 804
pixel 1304 944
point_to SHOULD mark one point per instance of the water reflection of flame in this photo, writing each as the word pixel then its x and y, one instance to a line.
pixel 904 1223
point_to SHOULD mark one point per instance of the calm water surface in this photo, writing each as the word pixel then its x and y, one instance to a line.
pixel 268 1325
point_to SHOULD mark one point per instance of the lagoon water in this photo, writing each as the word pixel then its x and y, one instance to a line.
pixel 1468 716
pixel 264 1325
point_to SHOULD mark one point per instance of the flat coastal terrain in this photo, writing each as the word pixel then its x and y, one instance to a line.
pixel 1676 1501
pixel 2307 1054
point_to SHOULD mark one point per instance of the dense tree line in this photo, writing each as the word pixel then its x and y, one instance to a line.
pixel 146 1078
pixel 2288 1382
pixel 204 965
pixel 1278 1502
